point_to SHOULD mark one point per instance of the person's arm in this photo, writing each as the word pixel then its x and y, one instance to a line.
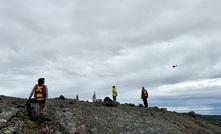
pixel 46 98
pixel 32 92
pixel 46 92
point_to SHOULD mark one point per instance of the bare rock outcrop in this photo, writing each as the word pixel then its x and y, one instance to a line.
pixel 68 116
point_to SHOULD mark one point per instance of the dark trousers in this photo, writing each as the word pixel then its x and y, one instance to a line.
pixel 114 98
pixel 41 106
pixel 145 101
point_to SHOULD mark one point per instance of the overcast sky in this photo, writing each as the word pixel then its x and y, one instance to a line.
pixel 86 46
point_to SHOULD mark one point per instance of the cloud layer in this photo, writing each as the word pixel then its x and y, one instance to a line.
pixel 86 46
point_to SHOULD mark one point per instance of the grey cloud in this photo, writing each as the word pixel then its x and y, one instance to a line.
pixel 86 46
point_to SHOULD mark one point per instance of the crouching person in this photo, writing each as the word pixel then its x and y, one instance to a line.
pixel 40 92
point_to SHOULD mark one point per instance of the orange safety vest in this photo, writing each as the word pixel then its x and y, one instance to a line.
pixel 40 91
pixel 144 93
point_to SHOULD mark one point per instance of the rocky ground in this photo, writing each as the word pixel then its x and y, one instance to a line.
pixel 69 116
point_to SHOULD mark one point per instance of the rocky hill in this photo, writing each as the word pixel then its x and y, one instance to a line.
pixel 68 116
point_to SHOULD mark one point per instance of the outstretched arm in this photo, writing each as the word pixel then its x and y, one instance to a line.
pixel 32 92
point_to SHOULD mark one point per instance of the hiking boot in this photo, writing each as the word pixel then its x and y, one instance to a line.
pixel 40 121
pixel 27 114
pixel 47 119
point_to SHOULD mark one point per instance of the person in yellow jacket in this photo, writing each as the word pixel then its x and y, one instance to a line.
pixel 114 93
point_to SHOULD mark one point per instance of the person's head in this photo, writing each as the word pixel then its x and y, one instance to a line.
pixel 113 86
pixel 41 80
pixel 143 87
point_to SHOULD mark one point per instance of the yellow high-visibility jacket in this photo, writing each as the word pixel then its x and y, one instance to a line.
pixel 114 92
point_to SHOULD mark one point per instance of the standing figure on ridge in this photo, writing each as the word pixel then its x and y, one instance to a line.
pixel 40 92
pixel 144 96
pixel 114 93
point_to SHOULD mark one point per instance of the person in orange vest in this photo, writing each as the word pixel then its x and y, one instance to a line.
pixel 40 92
pixel 144 96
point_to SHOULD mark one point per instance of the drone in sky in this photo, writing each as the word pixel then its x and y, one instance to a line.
pixel 174 66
